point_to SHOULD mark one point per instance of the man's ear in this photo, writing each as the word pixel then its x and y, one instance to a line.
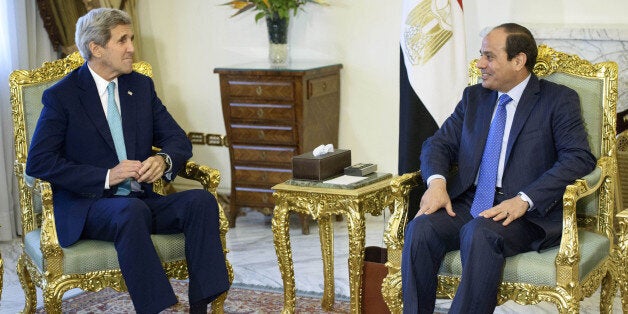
pixel 95 49
pixel 520 60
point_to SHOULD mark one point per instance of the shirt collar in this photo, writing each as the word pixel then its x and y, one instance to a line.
pixel 101 83
pixel 516 92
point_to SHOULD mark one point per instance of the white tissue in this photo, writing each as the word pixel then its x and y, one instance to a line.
pixel 323 149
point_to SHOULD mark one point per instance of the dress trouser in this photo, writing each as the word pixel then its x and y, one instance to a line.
pixel 483 245
pixel 129 221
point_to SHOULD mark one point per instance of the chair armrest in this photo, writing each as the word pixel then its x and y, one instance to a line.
pixel 206 176
pixel 29 189
pixel 393 237
pixel 600 179
pixel 400 190
pixel 49 242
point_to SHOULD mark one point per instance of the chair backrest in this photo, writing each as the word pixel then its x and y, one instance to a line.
pixel 596 85
pixel 26 89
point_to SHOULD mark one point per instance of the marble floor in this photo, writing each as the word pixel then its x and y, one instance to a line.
pixel 254 262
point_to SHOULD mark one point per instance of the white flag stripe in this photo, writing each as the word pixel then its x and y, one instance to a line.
pixel 433 44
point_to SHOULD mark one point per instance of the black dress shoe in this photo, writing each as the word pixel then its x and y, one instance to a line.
pixel 199 307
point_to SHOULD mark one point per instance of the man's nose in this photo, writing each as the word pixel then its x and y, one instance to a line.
pixel 481 63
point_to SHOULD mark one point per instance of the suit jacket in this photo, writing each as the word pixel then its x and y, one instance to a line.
pixel 72 146
pixel 546 151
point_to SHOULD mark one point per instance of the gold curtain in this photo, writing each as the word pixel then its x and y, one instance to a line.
pixel 60 18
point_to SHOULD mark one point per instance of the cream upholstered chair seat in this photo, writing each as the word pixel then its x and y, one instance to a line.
pixel 88 264
pixel 93 255
pixel 587 255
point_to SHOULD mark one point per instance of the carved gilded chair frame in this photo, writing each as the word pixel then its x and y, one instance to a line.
pixel 622 216
pixel 53 281
pixel 569 289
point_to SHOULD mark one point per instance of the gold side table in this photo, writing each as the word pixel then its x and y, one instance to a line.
pixel 323 201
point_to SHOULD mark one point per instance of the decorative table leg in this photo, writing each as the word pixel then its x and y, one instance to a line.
pixel 356 226
pixel 326 235
pixel 281 237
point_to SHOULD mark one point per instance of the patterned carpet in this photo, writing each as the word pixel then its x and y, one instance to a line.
pixel 240 300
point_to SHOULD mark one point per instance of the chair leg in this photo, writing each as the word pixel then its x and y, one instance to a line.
pixel 30 294
pixel 391 292
pixel 218 306
pixel 607 293
pixel 573 307
pixel 52 299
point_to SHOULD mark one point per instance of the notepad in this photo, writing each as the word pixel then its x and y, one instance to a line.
pixel 344 180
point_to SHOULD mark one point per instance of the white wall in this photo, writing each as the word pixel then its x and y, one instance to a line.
pixel 186 40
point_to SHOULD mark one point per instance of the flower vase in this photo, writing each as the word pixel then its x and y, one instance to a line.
pixel 278 49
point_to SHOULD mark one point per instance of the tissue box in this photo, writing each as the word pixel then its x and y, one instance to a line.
pixel 310 167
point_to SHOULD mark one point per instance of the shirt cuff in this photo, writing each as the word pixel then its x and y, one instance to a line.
pixel 527 199
pixel 107 187
pixel 434 176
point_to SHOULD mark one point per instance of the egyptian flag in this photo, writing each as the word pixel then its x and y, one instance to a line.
pixel 432 75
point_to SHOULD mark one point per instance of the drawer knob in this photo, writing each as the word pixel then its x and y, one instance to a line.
pixel 263 155
pixel 260 113
pixel 324 86
pixel 258 90
pixel 264 176
pixel 265 198
pixel 261 135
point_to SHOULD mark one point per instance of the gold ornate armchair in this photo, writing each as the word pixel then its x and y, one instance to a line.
pixel 89 265
pixel 585 258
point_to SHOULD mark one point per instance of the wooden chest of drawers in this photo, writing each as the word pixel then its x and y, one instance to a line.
pixel 272 114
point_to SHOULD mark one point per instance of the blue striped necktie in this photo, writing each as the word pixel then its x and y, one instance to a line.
pixel 487 178
pixel 115 126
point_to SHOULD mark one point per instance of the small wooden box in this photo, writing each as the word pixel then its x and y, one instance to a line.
pixel 310 167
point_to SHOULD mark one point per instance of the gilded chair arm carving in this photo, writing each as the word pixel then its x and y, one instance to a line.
pixel 29 219
pixel 568 256
pixel 206 176
pixel 393 237
pixel 400 189
pixel 50 247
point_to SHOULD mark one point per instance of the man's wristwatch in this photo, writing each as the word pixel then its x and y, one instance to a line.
pixel 167 160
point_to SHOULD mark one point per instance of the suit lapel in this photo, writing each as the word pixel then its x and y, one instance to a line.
pixel 486 106
pixel 129 114
pixel 528 100
pixel 92 104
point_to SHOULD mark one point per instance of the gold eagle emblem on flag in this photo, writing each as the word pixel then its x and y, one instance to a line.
pixel 428 28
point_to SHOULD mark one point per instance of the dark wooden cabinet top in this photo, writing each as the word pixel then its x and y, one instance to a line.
pixel 264 68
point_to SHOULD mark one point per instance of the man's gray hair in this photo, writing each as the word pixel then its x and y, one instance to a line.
pixel 96 26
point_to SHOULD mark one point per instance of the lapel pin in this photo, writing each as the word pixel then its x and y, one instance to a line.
pixel 130 93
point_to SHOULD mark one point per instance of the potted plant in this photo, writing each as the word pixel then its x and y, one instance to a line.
pixel 277 15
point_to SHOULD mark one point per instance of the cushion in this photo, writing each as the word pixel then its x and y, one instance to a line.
pixel 539 268
pixel 93 255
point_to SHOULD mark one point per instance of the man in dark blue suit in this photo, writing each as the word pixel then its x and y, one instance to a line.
pixel 543 148
pixel 102 172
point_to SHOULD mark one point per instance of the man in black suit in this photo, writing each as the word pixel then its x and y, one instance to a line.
pixel 503 200
pixel 93 142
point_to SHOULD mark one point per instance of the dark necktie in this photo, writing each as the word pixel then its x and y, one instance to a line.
pixel 487 178
pixel 115 126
